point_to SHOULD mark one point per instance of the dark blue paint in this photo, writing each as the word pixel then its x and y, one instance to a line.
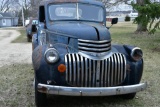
pixel 73 31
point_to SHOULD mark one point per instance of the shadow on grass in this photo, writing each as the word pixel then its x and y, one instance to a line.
pixel 22 38
pixel 111 101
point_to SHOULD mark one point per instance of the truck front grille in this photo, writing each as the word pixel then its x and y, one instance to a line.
pixel 94 46
pixel 84 72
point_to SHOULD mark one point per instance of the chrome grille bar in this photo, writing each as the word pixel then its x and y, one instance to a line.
pixel 94 46
pixel 70 68
pixel 74 69
pixel 118 68
pixel 84 72
pixel 90 73
pixel 67 68
pixel 94 49
pixel 78 70
pixel 109 70
pixel 92 41
pixel 102 73
pixel 94 73
pixel 115 61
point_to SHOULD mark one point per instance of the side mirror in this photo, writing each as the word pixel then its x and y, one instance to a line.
pixel 114 21
pixel 34 28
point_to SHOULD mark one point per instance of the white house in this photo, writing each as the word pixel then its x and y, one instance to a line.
pixel 8 20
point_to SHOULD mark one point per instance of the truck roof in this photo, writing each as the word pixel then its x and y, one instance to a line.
pixel 72 1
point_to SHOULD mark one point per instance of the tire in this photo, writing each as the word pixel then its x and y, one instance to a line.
pixel 28 39
pixel 129 96
pixel 40 98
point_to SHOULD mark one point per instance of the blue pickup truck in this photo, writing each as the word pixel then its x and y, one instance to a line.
pixel 73 53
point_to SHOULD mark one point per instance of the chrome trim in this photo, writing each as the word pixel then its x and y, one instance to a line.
pixel 74 69
pixel 121 68
pixel 125 68
pixel 94 73
pixel 92 41
pixel 85 72
pixel 94 49
pixel 82 71
pixel 78 70
pixel 132 52
pixel 66 67
pixel 112 71
pixel 95 56
pixel 49 49
pixel 70 68
pixel 118 67
pixel 102 74
pixel 90 73
pixel 94 45
pixel 95 91
pixel 109 70
pixel 115 61
pixel 98 74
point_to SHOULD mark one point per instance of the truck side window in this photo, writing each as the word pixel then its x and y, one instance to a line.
pixel 41 14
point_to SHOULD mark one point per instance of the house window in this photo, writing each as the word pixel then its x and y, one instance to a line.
pixel 4 22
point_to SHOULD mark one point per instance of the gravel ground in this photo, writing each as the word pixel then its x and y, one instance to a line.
pixel 11 53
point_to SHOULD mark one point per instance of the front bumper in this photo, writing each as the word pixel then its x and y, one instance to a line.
pixel 90 91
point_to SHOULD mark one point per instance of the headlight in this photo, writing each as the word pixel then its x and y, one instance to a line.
pixel 51 55
pixel 136 54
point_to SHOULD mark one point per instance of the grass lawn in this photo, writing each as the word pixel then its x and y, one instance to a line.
pixel 16 80
pixel 22 38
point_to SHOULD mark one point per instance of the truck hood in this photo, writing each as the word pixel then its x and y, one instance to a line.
pixel 79 30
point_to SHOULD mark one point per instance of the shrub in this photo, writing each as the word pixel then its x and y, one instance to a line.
pixel 127 18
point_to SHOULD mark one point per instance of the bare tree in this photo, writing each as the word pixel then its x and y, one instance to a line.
pixel 5 5
pixel 34 7
pixel 110 3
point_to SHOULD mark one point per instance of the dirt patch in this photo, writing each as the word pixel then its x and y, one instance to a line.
pixel 156 49
pixel 13 53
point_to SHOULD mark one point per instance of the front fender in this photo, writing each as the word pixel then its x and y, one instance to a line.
pixel 34 41
pixel 40 66
pixel 48 72
pixel 134 68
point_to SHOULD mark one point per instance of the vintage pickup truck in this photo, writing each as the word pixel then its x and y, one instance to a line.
pixel 31 28
pixel 73 54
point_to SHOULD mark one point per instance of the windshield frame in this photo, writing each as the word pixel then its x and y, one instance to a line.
pixel 77 18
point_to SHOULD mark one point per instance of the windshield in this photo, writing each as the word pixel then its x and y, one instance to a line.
pixel 35 22
pixel 75 11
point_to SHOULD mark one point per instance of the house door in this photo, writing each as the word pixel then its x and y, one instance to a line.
pixel 4 22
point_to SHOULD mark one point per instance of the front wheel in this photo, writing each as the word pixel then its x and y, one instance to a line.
pixel 40 98
pixel 129 96
pixel 28 39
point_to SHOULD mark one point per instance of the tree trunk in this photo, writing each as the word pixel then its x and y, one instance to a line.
pixel 141 27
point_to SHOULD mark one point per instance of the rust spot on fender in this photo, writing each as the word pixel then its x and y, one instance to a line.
pixel 37 58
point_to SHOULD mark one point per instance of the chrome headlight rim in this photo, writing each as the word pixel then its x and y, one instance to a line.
pixel 133 54
pixel 47 54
